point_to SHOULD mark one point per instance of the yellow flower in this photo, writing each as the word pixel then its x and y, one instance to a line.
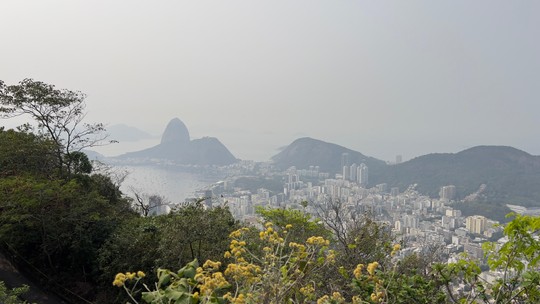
pixel 227 254
pixel 395 249
pixel 323 300
pixel 199 277
pixel 307 290
pixel 371 268
pixel 140 274
pixel 358 271
pixel 212 265
pixel 288 226
pixel 130 275
pixel 241 299
pixel 211 283
pixel 336 296
pixel 119 280
pixel 317 240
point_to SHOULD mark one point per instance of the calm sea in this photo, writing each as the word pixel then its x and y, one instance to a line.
pixel 176 186
pixel 172 183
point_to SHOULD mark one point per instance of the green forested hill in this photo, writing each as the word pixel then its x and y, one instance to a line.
pixel 305 152
pixel 511 175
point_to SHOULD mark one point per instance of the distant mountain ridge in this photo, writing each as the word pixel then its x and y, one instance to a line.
pixel 122 132
pixel 176 146
pixel 511 175
pixel 306 151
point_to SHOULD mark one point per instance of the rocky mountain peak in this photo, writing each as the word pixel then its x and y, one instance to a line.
pixel 175 132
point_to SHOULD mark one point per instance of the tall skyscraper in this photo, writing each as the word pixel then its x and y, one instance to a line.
pixel 362 174
pixel 448 192
pixel 353 172
pixel 476 224
pixel 346 173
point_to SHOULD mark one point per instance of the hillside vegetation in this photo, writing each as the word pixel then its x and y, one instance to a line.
pixel 305 152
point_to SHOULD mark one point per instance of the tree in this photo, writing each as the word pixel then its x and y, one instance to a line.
pixel 59 115
pixel 359 239
pixel 301 225
pixel 133 245
pixel 57 226
pixel 22 152
pixel 148 205
pixel 194 232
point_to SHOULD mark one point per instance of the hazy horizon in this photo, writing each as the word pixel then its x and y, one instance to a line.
pixel 124 146
pixel 381 78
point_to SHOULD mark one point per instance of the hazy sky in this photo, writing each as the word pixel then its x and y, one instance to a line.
pixel 379 77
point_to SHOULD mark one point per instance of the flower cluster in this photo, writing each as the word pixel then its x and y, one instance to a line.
pixel 240 298
pixel 241 270
pixel 121 278
pixel 317 240
pixel 283 266
pixel 236 248
pixel 209 264
pixel 270 234
pixel 358 271
pixel 336 298
pixel 209 279
pixel 308 291
pixel 378 293
pixel 372 267
pixel 283 271
pixel 212 282
pixel 395 249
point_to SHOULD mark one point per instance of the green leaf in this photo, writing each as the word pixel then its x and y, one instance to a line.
pixel 164 277
pixel 284 271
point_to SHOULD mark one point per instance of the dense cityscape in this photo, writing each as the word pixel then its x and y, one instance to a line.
pixel 419 222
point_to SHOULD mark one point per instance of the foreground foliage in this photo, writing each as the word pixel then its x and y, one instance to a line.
pixel 515 261
pixel 12 296
pixel 290 272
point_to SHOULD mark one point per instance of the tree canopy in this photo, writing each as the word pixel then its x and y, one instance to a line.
pixel 59 115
